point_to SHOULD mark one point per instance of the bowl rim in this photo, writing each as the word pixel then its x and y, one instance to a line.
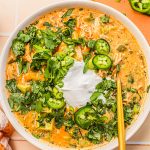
pixel 57 5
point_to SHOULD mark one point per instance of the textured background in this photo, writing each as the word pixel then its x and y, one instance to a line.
pixel 12 12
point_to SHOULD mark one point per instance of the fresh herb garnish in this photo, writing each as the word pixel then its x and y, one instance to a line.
pixel 118 68
pixel 130 79
pixel 105 19
pixel 71 23
pixel 18 48
pixel 47 24
pixel 22 66
pixel 148 88
pixel 91 44
pixel 86 63
pixel 12 86
pixel 51 39
pixel 90 18
pixel 132 90
pixel 67 13
pixel 23 36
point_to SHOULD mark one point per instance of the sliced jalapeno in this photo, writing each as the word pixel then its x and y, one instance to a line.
pixel 102 62
pixel 85 117
pixel 55 103
pixel 142 6
pixel 102 46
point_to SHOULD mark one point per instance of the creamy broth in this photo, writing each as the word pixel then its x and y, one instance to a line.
pixel 24 70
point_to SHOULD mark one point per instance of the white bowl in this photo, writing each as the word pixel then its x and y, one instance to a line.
pixel 73 3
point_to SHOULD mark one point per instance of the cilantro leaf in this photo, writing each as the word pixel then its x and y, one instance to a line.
pixel 71 23
pixel 105 19
pixel 67 13
pixel 11 86
pixel 18 47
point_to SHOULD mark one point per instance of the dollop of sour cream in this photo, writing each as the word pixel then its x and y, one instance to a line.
pixel 79 86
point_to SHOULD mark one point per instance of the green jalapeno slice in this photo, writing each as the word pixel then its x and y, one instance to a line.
pixel 102 46
pixel 103 62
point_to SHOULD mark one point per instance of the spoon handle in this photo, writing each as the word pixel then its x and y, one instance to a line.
pixel 121 129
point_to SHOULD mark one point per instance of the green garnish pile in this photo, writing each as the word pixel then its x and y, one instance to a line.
pixel 99 116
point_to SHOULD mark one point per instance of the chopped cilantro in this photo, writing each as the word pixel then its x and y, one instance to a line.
pixel 105 19
pixel 67 13
pixel 47 24
pixel 90 18
pixel 148 88
pixel 71 23
pixel 18 47
pixel 130 79
pixel 91 44
pixel 11 86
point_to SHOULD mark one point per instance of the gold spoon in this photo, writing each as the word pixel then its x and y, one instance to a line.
pixel 121 129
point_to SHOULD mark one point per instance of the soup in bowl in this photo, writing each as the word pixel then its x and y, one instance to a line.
pixel 61 74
